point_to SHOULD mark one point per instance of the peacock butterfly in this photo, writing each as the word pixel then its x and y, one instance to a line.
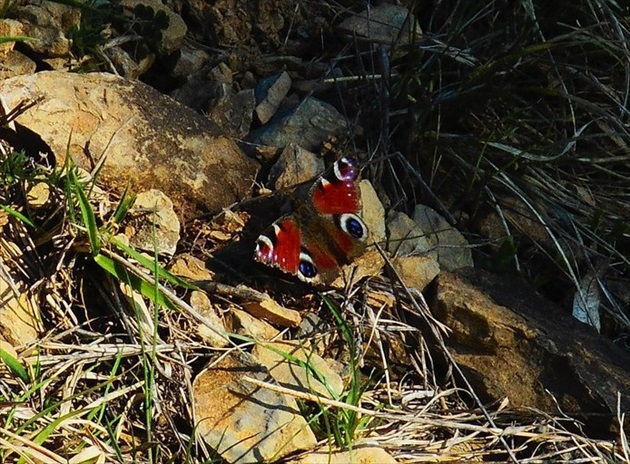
pixel 323 233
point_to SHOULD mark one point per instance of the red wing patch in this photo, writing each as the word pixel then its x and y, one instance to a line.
pixel 280 246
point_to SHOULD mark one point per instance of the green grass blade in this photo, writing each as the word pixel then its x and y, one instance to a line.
pixel 149 264
pixel 18 215
pixel 15 366
pixel 136 282
pixel 89 218
pixel 122 208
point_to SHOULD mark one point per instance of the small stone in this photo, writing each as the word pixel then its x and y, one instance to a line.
pixel 295 166
pixel 245 423
pixel 231 111
pixel 452 248
pixel 308 125
pixel 190 61
pixel 38 196
pixel 372 211
pixel 157 226
pixel 8 28
pixel 384 23
pixel 294 376
pixel 269 95
pixel 201 302
pixel 45 22
pixel 190 267
pixel 128 66
pixel 274 313
pixel 16 64
pixel 173 35
pixel 405 237
pixel 246 324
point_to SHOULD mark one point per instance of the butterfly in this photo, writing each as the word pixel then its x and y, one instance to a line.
pixel 324 231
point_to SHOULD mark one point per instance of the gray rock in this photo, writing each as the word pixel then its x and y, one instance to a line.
pixel 294 166
pixel 269 94
pixel 452 247
pixel 233 111
pixel 384 23
pixel 308 126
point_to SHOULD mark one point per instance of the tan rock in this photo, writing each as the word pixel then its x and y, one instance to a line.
pixel 173 35
pixel 291 375
pixel 8 28
pixel 20 320
pixel 16 64
pixel 359 454
pixel 416 271
pixel 146 138
pixel 45 22
pixel 275 88
pixel 273 312
pixel 513 343
pixel 190 267
pixel 248 325
pixel 372 212
pixel 245 423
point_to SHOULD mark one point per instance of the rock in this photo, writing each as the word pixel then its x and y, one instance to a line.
pixel 190 267
pixel 147 138
pixel 245 423
pixel 16 64
pixel 453 250
pixel 173 35
pixel 271 311
pixel 360 454
pixel 372 212
pixel 8 28
pixel 201 302
pixel 246 324
pixel 384 23
pixel 404 236
pixel 189 62
pixel 368 264
pixel 20 320
pixel 38 195
pixel 292 375
pixel 512 343
pixel 153 224
pixel 128 66
pixel 416 271
pixel 269 95
pixel 295 166
pixel 45 21
pixel 233 112
pixel 308 126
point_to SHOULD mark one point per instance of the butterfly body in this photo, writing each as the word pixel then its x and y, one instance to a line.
pixel 324 232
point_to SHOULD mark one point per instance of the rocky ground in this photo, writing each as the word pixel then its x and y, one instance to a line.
pixel 147 145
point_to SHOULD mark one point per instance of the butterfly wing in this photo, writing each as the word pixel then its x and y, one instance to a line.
pixel 323 233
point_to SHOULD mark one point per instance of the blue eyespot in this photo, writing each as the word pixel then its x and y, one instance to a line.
pixel 307 269
pixel 354 228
